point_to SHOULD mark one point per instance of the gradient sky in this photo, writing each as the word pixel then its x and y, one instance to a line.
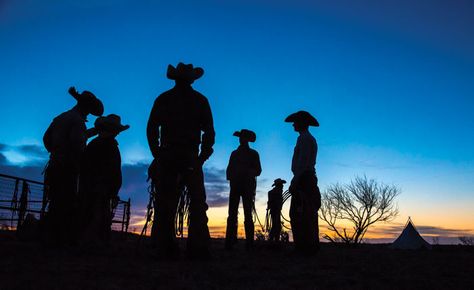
pixel 390 83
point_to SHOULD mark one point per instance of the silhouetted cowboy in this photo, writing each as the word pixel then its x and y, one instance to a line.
pixel 100 180
pixel 242 171
pixel 65 139
pixel 275 203
pixel 177 120
pixel 305 195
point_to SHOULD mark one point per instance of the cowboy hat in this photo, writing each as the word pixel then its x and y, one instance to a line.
pixel 185 72
pixel 302 117
pixel 110 123
pixel 88 100
pixel 246 134
pixel 278 181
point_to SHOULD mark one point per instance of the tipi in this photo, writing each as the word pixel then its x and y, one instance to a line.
pixel 410 239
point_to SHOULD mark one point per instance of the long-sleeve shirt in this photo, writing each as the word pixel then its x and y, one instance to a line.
pixel 65 139
pixel 304 156
pixel 244 164
pixel 275 198
pixel 177 119
pixel 101 168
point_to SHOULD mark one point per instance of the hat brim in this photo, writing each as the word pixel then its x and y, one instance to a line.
pixel 96 107
pixel 191 75
pixel 279 182
pixel 306 119
pixel 93 105
pixel 250 136
pixel 102 125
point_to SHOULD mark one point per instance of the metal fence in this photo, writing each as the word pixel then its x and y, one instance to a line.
pixel 20 197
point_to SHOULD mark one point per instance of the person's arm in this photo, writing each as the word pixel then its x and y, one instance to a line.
pixel 230 167
pixel 153 130
pixel 47 139
pixel 258 166
pixel 208 136
pixel 91 132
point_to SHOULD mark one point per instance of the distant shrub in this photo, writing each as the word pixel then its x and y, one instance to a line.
pixel 259 235
pixel 466 241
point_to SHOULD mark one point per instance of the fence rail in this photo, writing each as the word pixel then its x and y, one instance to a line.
pixel 20 197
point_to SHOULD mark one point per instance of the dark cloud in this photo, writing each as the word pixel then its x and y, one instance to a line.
pixel 33 172
pixel 3 159
pixel 217 187
pixel 30 170
pixel 36 155
pixel 395 230
pixel 33 150
pixel 135 187
pixel 214 175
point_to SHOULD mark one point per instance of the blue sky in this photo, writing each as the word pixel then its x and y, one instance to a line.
pixel 391 84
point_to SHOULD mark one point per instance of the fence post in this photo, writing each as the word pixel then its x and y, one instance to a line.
pixel 23 203
pixel 44 201
pixel 128 215
pixel 14 201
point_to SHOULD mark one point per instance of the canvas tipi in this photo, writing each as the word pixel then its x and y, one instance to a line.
pixel 410 239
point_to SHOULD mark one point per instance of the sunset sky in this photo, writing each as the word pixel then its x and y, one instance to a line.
pixel 391 83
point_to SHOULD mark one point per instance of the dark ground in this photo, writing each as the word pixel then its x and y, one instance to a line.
pixel 26 265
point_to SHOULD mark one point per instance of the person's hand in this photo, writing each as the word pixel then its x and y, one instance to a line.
pixel 292 188
pixel 91 132
pixel 73 91
pixel 201 160
pixel 204 155
pixel 156 153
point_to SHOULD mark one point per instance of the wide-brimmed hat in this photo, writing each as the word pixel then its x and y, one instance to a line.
pixel 185 72
pixel 111 123
pixel 88 100
pixel 278 181
pixel 246 134
pixel 302 117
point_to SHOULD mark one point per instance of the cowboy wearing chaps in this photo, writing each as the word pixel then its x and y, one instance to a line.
pixel 65 140
pixel 242 171
pixel 274 205
pixel 100 180
pixel 305 195
pixel 178 118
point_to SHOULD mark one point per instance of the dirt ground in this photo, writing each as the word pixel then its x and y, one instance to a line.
pixel 130 265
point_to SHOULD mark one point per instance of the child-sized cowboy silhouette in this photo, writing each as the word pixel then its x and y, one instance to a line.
pixel 274 205
pixel 242 171
pixel 179 122
pixel 100 181
pixel 65 140
pixel 305 195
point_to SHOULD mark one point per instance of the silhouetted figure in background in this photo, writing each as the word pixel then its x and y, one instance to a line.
pixel 174 133
pixel 305 195
pixel 242 171
pixel 100 181
pixel 275 203
pixel 65 140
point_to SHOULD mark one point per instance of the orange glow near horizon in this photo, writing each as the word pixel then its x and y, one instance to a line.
pixel 379 231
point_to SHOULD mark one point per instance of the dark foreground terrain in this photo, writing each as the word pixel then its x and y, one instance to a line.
pixel 26 265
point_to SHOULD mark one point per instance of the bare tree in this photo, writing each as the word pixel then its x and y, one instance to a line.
pixel 361 203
